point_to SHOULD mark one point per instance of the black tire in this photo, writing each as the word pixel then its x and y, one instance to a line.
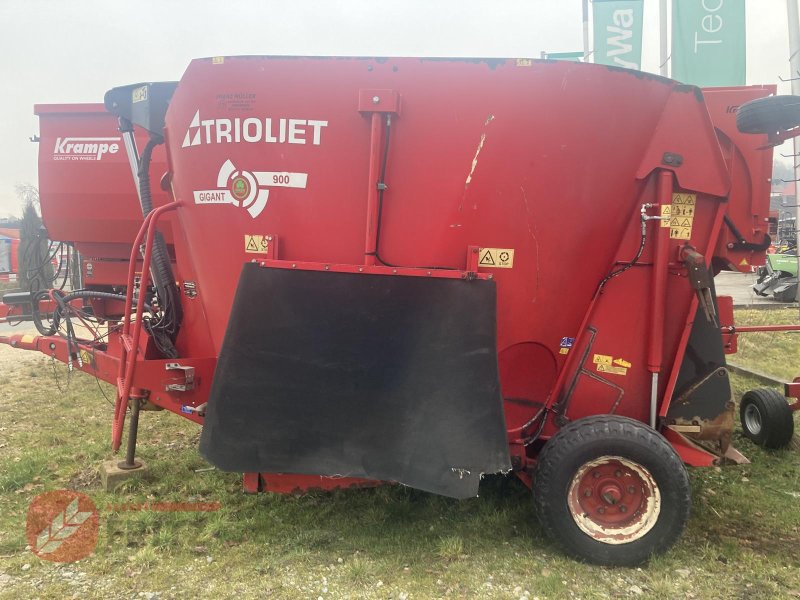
pixel 769 115
pixel 569 477
pixel 787 295
pixel 766 418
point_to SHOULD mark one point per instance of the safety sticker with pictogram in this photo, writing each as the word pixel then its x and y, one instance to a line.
pixel 608 364
pixel 256 244
pixel 496 258
pixel 681 216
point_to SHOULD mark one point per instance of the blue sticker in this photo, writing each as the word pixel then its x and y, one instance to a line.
pixel 186 409
pixel 567 342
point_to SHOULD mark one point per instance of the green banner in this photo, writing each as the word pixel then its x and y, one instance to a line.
pixel 708 42
pixel 568 56
pixel 618 32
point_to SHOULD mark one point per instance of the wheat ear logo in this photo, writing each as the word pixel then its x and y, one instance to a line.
pixel 62 526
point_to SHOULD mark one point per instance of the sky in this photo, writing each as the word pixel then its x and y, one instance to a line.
pixel 59 51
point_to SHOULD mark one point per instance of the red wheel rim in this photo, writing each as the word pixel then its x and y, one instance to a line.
pixel 614 500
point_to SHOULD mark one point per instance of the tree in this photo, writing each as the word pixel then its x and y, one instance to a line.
pixel 28 194
pixel 35 270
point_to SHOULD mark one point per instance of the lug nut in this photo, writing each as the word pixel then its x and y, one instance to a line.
pixel 601 510
pixel 623 508
pixel 596 475
pixel 587 493
pixel 617 473
pixel 631 489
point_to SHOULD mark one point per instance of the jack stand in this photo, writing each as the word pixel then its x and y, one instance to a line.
pixel 133 430
pixel 113 472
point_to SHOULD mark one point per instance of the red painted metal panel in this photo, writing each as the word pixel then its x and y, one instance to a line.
pixel 86 189
pixel 750 167
pixel 518 193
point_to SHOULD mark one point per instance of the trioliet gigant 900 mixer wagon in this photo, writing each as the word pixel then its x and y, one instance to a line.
pixel 355 270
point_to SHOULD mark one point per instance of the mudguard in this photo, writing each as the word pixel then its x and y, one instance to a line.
pixel 391 378
pixel 703 399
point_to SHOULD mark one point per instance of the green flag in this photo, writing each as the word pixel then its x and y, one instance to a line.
pixel 708 42
pixel 568 56
pixel 618 32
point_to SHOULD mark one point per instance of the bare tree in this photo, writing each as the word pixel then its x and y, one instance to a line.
pixel 28 193
pixel 35 268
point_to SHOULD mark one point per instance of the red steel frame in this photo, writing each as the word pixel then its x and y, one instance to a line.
pixel 791 389
pixel 129 346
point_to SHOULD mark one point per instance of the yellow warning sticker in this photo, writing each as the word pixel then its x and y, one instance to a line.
pixel 602 359
pixel 614 370
pixel 743 263
pixel 524 62
pixel 256 244
pixel 217 60
pixel 680 233
pixel 87 358
pixel 687 199
pixel 682 210
pixel 681 216
pixel 609 364
pixel 666 211
pixel 563 350
pixel 496 258
pixel 27 338
pixel 680 221
pixel 139 94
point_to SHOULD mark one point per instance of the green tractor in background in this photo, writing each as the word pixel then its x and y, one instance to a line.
pixel 779 275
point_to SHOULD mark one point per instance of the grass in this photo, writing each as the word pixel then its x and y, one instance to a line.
pixel 7 286
pixel 741 541
pixel 771 353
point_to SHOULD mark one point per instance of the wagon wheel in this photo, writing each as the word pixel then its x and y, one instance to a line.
pixel 611 491
pixel 766 418
pixel 787 295
pixel 769 115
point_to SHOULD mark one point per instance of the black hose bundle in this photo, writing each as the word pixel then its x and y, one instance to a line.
pixel 163 328
pixel 63 310
pixel 36 264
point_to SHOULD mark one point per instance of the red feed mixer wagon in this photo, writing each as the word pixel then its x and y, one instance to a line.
pixel 352 271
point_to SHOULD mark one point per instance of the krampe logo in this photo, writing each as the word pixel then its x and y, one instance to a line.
pixel 85 148
pixel 62 526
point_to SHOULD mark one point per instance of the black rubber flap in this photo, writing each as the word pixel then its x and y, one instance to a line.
pixel 705 354
pixel 391 378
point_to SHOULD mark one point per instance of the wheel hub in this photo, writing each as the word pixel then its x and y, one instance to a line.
pixel 614 500
pixel 752 418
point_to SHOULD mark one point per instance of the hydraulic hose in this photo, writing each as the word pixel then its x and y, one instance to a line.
pixel 62 301
pixel 166 328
